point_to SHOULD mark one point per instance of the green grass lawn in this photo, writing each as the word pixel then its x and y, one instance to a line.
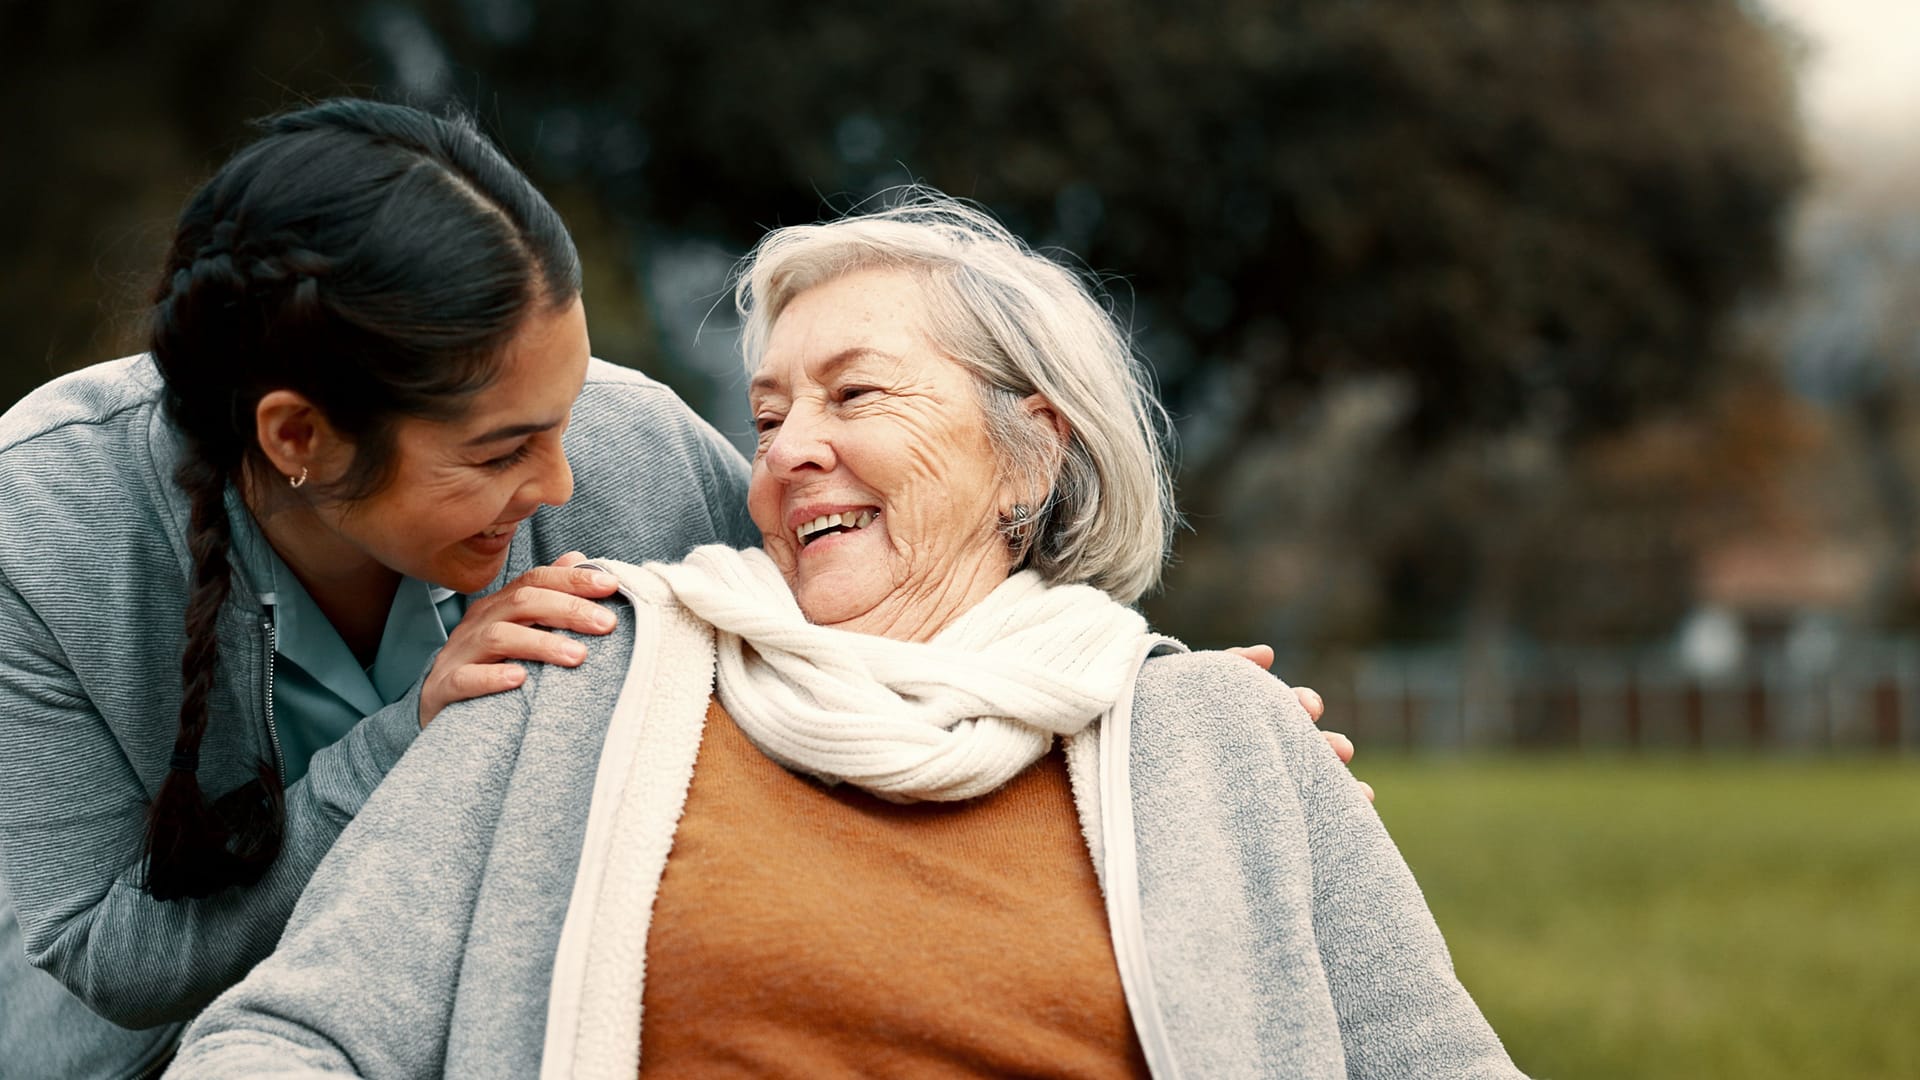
pixel 1621 918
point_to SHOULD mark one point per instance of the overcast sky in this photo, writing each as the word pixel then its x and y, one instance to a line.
pixel 1862 82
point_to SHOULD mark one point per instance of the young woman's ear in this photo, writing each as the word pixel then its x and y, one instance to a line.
pixel 297 440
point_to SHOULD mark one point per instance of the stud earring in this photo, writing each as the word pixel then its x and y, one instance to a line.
pixel 1017 522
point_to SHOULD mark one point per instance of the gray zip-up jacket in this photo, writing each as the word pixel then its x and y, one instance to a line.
pixel 1267 927
pixel 93 571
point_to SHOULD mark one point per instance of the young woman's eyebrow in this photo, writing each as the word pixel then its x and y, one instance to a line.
pixel 510 431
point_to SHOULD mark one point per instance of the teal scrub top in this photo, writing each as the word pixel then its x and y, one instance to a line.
pixel 319 689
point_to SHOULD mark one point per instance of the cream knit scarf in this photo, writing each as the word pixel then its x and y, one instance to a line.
pixel 947 719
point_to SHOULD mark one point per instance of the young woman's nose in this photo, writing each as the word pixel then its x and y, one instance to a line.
pixel 552 485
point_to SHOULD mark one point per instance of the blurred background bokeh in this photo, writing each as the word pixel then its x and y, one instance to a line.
pixel 1546 372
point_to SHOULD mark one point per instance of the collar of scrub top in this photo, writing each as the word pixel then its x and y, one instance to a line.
pixel 417 623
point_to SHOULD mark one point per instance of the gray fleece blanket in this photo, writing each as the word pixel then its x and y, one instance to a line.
pixel 1285 934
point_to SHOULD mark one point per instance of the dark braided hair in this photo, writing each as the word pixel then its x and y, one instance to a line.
pixel 375 259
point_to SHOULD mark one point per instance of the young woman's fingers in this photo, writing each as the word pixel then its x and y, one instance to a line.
pixel 1342 746
pixel 1310 700
pixel 592 584
pixel 1261 655
pixel 532 605
pixel 503 640
pixel 460 682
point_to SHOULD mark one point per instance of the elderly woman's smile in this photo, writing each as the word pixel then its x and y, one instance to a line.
pixel 875 485
pixel 831 524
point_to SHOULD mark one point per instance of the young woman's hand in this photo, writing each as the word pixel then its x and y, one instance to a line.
pixel 505 626
pixel 1310 701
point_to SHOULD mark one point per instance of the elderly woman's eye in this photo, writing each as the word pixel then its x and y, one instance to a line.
pixel 848 393
pixel 764 424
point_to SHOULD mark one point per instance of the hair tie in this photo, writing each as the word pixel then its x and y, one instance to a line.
pixel 184 760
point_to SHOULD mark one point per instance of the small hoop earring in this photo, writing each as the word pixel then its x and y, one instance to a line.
pixel 296 481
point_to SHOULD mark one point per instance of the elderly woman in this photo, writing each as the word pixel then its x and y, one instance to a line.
pixel 907 792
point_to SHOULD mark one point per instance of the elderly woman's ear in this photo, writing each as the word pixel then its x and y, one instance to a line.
pixel 1041 412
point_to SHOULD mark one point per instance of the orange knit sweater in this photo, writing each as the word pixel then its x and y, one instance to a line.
pixel 804 930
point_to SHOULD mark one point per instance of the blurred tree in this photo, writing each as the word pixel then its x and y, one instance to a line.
pixel 1850 339
pixel 114 111
pixel 1539 213
pixel 1529 221
pixel 1518 223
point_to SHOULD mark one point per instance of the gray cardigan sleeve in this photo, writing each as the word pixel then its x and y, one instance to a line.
pixel 1264 829
pixel 363 981
pixel 71 834
pixel 1402 1009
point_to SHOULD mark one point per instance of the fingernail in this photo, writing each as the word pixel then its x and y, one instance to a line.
pixel 1318 702
pixel 602 580
pixel 576 651
pixel 603 618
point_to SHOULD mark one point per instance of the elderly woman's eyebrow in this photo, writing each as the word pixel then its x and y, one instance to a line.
pixel 765 383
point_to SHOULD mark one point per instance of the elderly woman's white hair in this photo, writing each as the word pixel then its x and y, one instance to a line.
pixel 1022 324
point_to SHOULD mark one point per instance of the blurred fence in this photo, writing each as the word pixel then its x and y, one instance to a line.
pixel 1866 698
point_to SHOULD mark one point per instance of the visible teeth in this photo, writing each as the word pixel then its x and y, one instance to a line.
pixel 852 519
pixel 824 521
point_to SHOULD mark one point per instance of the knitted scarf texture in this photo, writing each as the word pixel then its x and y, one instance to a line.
pixel 952 718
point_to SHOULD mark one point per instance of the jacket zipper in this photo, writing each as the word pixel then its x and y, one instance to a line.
pixel 273 731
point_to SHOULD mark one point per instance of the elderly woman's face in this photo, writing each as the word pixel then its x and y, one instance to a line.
pixel 874 484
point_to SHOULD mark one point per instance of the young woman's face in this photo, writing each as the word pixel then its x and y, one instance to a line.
pixel 460 488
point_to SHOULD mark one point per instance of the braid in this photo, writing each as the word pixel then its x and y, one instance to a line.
pixel 212 581
pixel 195 849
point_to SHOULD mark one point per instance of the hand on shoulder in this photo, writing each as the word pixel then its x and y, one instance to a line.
pixel 516 623
pixel 1310 700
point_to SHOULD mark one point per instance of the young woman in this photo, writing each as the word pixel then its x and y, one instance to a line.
pixel 226 565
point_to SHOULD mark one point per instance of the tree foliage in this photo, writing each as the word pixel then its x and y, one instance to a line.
pixel 1537 213
pixel 1517 222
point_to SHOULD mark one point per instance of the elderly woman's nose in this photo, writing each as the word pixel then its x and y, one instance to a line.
pixel 800 443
